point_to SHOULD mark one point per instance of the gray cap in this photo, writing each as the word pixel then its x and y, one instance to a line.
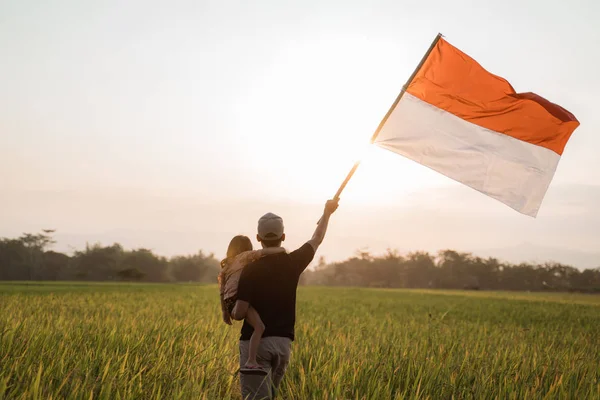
pixel 270 227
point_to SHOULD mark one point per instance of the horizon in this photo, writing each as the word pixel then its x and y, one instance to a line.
pixel 339 245
pixel 177 129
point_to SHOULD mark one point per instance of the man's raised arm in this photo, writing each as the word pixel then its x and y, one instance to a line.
pixel 319 234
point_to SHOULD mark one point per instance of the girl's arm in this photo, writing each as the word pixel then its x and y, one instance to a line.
pixel 248 257
pixel 270 250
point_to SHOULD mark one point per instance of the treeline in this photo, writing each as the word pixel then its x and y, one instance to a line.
pixel 28 258
pixel 451 270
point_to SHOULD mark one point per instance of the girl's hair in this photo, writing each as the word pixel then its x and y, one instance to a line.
pixel 238 245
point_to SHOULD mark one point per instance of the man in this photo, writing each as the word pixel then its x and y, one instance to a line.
pixel 269 285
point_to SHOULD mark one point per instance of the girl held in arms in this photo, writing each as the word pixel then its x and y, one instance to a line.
pixel 239 255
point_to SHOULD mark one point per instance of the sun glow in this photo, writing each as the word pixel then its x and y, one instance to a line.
pixel 310 118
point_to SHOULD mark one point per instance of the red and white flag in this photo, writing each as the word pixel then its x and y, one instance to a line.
pixel 470 125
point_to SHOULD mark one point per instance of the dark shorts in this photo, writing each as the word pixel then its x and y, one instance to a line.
pixel 230 303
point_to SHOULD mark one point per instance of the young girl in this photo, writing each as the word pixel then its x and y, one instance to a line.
pixel 239 255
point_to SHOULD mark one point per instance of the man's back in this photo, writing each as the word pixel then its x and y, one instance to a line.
pixel 269 285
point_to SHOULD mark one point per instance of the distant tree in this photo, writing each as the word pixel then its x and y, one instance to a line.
pixel 588 280
pixel 23 258
pixel 489 273
pixel 97 263
pixel 55 265
pixel 420 270
pixel 153 267
pixel 14 260
pixel 195 268
pixel 38 241
pixel 455 270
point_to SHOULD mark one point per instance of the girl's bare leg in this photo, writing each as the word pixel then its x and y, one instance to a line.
pixel 253 319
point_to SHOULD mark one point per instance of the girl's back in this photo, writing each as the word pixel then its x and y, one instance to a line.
pixel 230 274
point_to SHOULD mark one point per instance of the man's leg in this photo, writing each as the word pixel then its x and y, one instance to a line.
pixel 281 349
pixel 256 387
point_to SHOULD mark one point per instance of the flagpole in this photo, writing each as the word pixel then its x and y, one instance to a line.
pixel 383 121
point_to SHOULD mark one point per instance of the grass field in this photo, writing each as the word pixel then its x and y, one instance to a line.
pixel 116 341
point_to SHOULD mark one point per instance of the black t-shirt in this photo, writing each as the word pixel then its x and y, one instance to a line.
pixel 269 285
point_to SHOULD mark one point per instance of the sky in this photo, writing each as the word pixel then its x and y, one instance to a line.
pixel 174 125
